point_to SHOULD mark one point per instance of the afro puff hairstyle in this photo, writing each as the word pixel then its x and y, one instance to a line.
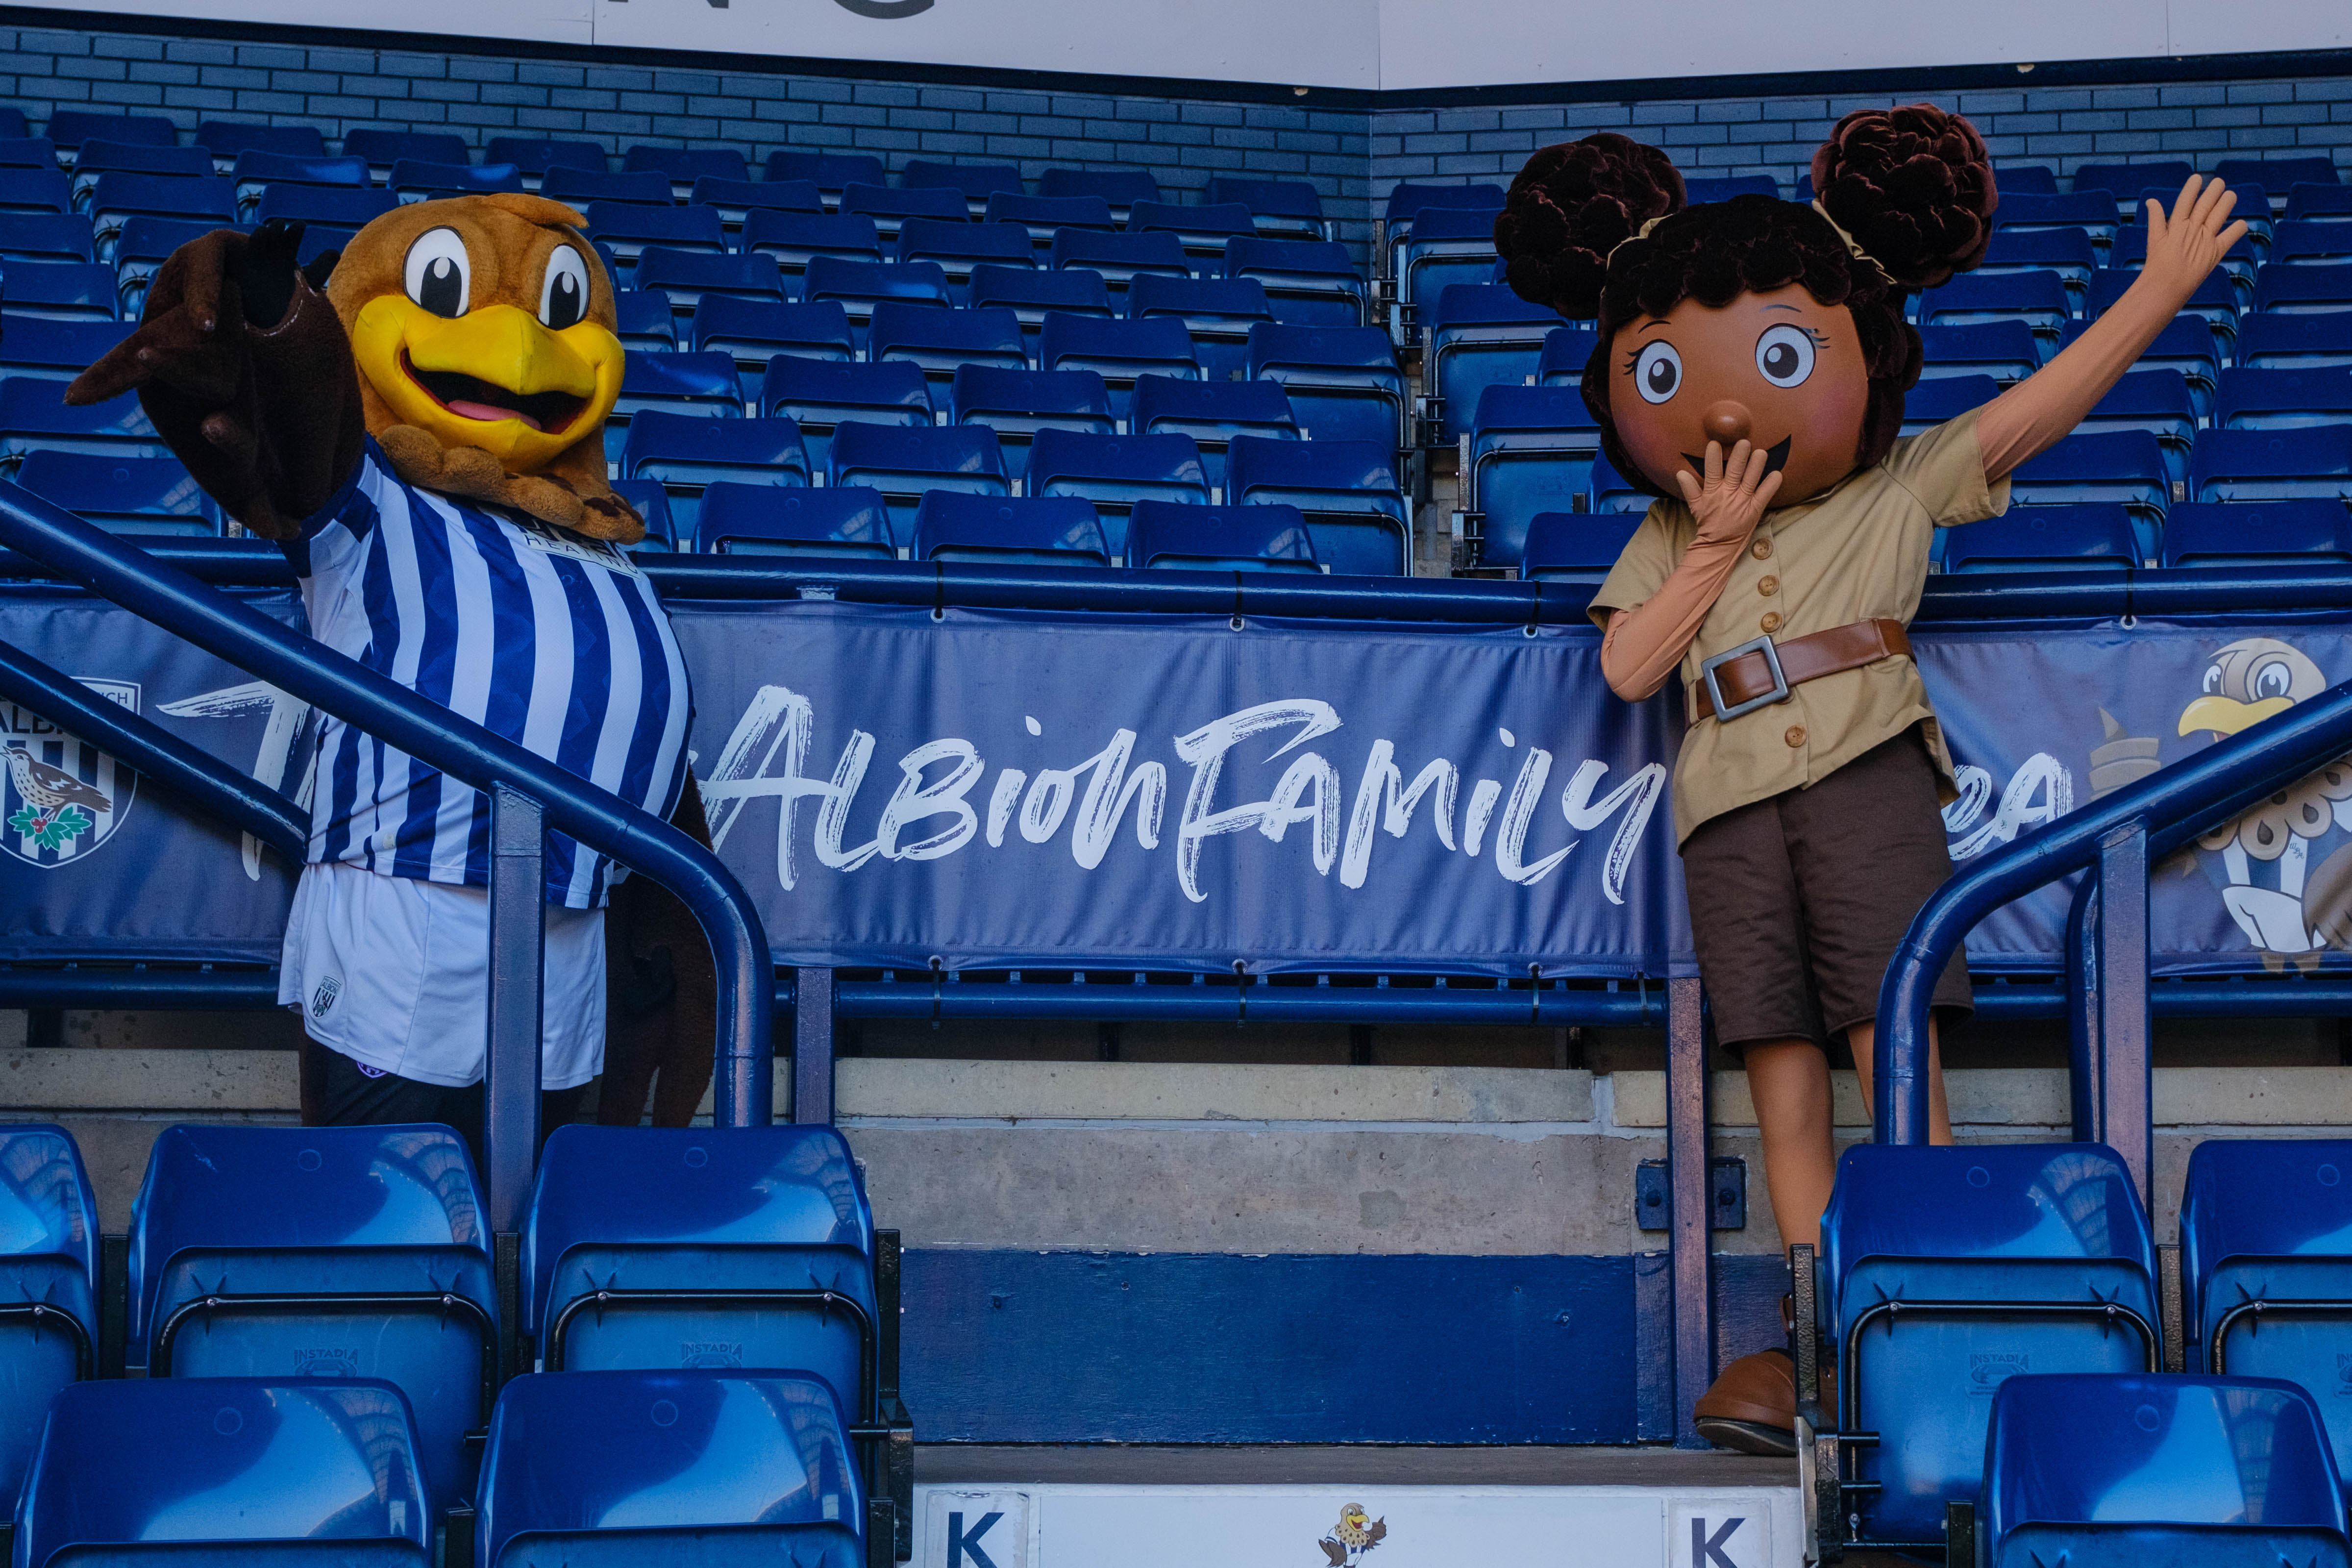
pixel 1914 186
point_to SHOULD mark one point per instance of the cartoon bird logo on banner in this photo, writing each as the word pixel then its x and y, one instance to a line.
pixel 1355 1534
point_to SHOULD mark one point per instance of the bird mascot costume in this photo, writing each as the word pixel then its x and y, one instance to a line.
pixel 418 423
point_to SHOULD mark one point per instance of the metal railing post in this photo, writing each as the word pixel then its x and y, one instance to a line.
pixel 813 1015
pixel 511 1072
pixel 2084 988
pixel 2125 1088
pixel 1691 1240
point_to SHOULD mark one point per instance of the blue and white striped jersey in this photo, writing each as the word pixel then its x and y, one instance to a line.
pixel 553 641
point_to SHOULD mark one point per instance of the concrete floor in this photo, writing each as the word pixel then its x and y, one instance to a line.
pixel 1113 1464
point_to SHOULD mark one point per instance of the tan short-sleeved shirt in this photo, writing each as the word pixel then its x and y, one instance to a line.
pixel 1858 553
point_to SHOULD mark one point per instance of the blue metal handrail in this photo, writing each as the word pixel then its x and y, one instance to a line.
pixel 113 569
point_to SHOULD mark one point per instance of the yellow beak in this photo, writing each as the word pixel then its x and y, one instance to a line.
pixel 2227 715
pixel 578 370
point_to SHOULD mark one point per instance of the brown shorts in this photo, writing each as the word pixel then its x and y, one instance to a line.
pixel 1798 902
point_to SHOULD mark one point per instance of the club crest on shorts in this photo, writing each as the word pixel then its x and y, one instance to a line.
pixel 60 797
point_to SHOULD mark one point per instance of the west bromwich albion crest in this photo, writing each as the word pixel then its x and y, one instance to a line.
pixel 60 797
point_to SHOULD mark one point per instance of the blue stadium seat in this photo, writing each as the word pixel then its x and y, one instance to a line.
pixel 598 1469
pixel 35 417
pixel 1017 404
pixel 48 1269
pixel 1281 209
pixel 1119 257
pixel 1211 412
pixel 1449 247
pixel 2158 402
pixel 1481 335
pixel 2065 251
pixel 60 290
pixel 831 173
pixel 1575 547
pixel 144 245
pixel 759 1239
pixel 2302 291
pixel 383 148
pixel 1407 202
pixel 2307 202
pixel 686 455
pixel 1359 522
pixel 652 505
pixel 890 209
pixel 1532 450
pixel 28 152
pixel 1114 472
pixel 224 138
pixel 755 332
pixel 55 351
pixel 120 197
pixel 642 320
pixel 2122 465
pixel 2295 342
pixel 2027 179
pixel 1612 491
pixel 797 238
pixel 255 171
pixel 958 246
pixel 584 187
pixel 135 158
pixel 2281 175
pixel 1009 531
pixel 2127 175
pixel 1031 294
pixel 978 181
pixel 1117 350
pixel 45 236
pixel 2102 1472
pixel 903 461
pixel 125 495
pixel 2035 1256
pixel 2129 254
pixel 704 384
pixel 2252 399
pixel 1934 400
pixel 836 522
pixel 2190 345
pixel 2006 351
pixel 36 190
pixel 1724 188
pixel 2039 298
pixel 2092 536
pixel 736 200
pixel 685 166
pixel 226 1472
pixel 1168 535
pixel 2254 532
pixel 627 229
pixel 71 129
pixel 414 180
pixel 2264 464
pixel 1343 382
pixel 939 340
pixel 535 155
pixel 1044 216
pixel 244 1238
pixel 2306 242
pixel 1308 283
pixel 324 207
pixel 1567 351
pixel 1217 312
pixel 1121 188
pixel 2215 298
pixel 1203 230
pixel 860 286
pixel 687 278
pixel 822 396
pixel 2093 212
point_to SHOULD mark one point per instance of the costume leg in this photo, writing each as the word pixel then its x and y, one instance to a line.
pixel 1790 1082
pixel 661 989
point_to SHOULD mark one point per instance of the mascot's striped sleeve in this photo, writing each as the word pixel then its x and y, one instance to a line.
pixel 553 641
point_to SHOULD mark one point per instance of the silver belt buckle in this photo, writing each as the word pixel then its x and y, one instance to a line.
pixel 1780 692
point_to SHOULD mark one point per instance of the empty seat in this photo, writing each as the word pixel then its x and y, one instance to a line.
pixel 685 166
pixel 643 322
pixel 2302 290
pixel 1308 283
pixel 704 384
pixel 324 207
pixel 252 1248
pixel 2295 342
pixel 599 1469
pixel 535 155
pixel 581 187
pixel 1114 472
pixel 903 461
pixel 2106 1472
pixel 797 238
pixel 820 395
pixel 1405 201
pixel 1203 230
pixel 1212 413
pixel 1343 382
pixel 1449 247
pixel 2253 533
pixel 61 290
pixel 125 495
pixel 958 246
pixel 2033 179
pixel 1724 188
pixel 831 173
pixel 1218 313
pixel 1576 547
pixel 2124 466
pixel 1119 257
pixel 1017 404
pixel 651 503
pixel 976 182
pixel 383 148
pixel 2065 251
pixel 224 138
pixel 1009 531
pixel 1117 350
pixel 130 157
pixel 2263 465
pixel 48 1269
pixel 223 1472
pixel 890 209
pixel 1567 351
pixel 70 129
pixel 686 455
pixel 2307 242
pixel 44 191
pixel 36 417
pixel 2006 351
pixel 862 285
pixel 1532 450
pixel 1032 294
pixel 2215 297
pixel 690 277
pixel 45 236
pixel 940 341
pixel 838 523
pixel 55 351
pixel 2280 174
pixel 2307 202
pixel 1281 209
pixel 1347 490
pixel 625 229
pixel 1932 401
pixel 255 171
pixel 28 152
pixel 119 197
pixel 2038 298
pixel 1481 335
pixel 756 330
pixel 1120 188
pixel 1944 1270
pixel 2158 402
pixel 414 180
pixel 2045 539
pixel 736 200
pixel 1168 535
pixel 2124 178
pixel 1043 216
pixel 2249 399
pixel 2093 212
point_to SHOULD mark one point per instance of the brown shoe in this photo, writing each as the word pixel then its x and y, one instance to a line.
pixel 1752 1407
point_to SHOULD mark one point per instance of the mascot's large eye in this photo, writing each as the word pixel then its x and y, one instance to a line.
pixel 1785 355
pixel 2212 680
pixel 563 298
pixel 437 275
pixel 1658 372
pixel 2272 679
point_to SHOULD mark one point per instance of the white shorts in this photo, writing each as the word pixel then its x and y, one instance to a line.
pixel 394 974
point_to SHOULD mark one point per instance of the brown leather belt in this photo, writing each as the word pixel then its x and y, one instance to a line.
pixel 1760 673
